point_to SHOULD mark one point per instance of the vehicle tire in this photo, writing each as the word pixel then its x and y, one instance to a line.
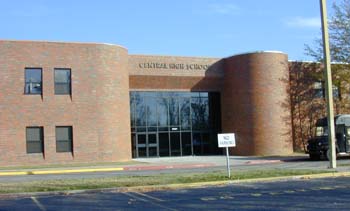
pixel 315 156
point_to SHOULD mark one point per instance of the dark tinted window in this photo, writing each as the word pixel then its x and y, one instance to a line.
pixel 34 139
pixel 64 142
pixel 33 81
pixel 62 81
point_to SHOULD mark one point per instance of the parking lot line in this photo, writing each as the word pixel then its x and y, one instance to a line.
pixel 37 202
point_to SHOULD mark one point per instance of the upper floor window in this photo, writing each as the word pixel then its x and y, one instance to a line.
pixel 33 81
pixel 62 81
pixel 320 92
pixel 35 139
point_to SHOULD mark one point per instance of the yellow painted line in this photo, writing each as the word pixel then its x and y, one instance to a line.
pixel 62 171
pixel 15 173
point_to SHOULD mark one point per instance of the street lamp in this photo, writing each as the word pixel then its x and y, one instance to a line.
pixel 331 153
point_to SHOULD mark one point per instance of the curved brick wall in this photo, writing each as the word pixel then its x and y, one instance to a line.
pixel 98 108
pixel 256 103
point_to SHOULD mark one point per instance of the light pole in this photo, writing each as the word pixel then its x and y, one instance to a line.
pixel 329 91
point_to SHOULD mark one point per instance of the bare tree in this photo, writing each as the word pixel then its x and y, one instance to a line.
pixel 339 35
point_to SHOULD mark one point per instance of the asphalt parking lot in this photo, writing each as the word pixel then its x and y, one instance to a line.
pixel 316 194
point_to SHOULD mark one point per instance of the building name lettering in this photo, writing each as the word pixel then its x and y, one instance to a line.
pixel 173 66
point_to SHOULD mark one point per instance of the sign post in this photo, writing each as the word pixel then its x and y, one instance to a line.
pixel 227 140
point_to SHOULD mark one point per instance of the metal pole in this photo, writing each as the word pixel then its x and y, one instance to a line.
pixel 228 162
pixel 329 92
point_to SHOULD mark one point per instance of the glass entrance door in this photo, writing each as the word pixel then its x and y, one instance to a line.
pixel 147 145
pixel 152 146
pixel 141 145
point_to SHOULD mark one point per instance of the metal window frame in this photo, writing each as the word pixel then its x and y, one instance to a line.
pixel 41 140
pixel 69 140
pixel 25 80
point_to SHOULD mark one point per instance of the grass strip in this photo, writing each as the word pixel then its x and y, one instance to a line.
pixel 133 181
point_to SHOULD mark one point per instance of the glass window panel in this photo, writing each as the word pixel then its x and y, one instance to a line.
pixel 33 75
pixel 152 138
pixel 133 144
pixel 141 139
pixel 174 111
pixel 62 75
pixel 63 146
pixel 62 81
pixel 205 110
pixel 196 114
pixel 62 133
pixel 175 144
pixel 163 129
pixel 33 81
pixel 163 139
pixel 151 111
pixel 34 139
pixel 140 112
pixel 141 129
pixel 185 113
pixel 142 152
pixel 152 129
pixel 62 88
pixel 186 143
pixel 162 105
pixel 132 112
pixel 152 152
pixel 34 147
pixel 197 141
pixel 200 113
pixel 203 94
pixel 64 141
pixel 34 134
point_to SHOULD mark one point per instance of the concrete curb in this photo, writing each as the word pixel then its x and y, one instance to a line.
pixel 110 169
pixel 58 171
pixel 178 186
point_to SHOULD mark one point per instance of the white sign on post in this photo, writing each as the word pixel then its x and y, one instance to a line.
pixel 226 140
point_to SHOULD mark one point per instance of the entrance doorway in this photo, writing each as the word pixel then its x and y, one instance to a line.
pixel 147 145
pixel 174 123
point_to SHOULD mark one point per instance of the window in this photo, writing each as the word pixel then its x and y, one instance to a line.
pixel 62 81
pixel 35 139
pixel 33 81
pixel 64 141
pixel 318 89
pixel 320 92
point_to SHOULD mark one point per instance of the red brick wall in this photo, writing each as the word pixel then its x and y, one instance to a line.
pixel 185 77
pixel 254 92
pixel 256 103
pixel 98 108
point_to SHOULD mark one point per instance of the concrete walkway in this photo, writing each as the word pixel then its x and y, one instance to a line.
pixel 186 162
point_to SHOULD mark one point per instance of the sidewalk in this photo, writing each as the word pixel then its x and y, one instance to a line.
pixel 143 164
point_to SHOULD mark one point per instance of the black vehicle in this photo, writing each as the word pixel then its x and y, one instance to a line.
pixel 317 146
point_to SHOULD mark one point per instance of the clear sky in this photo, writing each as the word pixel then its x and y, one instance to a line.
pixel 213 28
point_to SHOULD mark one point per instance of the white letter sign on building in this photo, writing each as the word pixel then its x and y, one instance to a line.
pixel 226 140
